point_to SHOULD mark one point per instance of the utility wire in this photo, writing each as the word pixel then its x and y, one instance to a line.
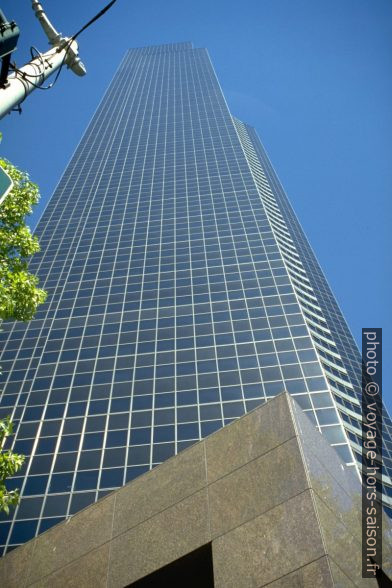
pixel 68 44
pixel 96 17
pixel 24 75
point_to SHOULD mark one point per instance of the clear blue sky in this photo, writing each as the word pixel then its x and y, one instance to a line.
pixel 312 76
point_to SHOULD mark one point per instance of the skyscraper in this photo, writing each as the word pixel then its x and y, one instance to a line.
pixel 182 293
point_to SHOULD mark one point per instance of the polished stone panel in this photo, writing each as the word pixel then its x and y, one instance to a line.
pixel 160 488
pixel 314 575
pixel 338 501
pixel 313 444
pixel 340 579
pixel 193 570
pixel 256 487
pixel 341 545
pixel 387 545
pixel 276 543
pixel 90 571
pixel 14 568
pixel 346 506
pixel 261 430
pixel 68 541
pixel 161 539
pixel 273 500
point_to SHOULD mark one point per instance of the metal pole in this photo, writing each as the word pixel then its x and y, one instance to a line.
pixel 28 77
pixel 32 75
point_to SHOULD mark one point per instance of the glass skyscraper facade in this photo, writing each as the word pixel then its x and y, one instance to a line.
pixel 182 294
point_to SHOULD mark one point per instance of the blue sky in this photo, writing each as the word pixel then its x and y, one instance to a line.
pixel 312 76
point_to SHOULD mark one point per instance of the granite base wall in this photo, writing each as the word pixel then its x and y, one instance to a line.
pixel 267 492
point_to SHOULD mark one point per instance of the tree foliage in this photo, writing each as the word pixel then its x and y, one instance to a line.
pixel 19 292
pixel 10 463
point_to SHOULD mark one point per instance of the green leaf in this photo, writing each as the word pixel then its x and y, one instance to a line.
pixel 19 292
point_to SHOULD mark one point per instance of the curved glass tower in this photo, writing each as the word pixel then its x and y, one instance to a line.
pixel 182 294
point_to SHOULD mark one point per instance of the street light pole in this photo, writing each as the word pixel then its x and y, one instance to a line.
pixel 25 80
